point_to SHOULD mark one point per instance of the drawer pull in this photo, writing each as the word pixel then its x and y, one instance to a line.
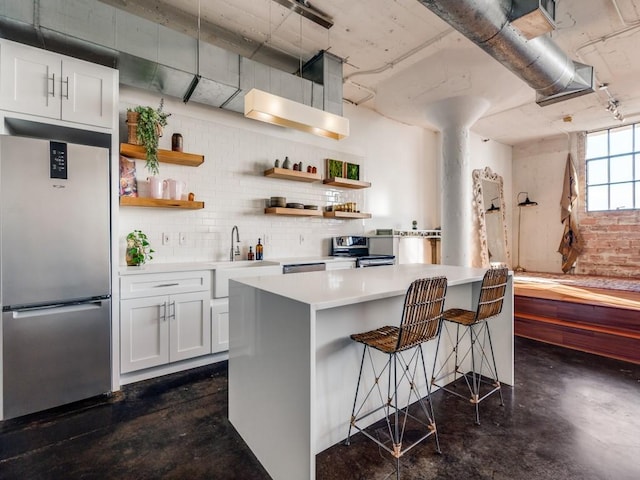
pixel 162 285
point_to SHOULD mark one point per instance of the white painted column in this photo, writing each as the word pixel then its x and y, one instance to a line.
pixel 454 116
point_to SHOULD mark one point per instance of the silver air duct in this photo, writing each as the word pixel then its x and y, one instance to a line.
pixel 156 58
pixel 539 61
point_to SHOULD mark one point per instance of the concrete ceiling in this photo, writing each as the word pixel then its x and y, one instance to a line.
pixel 399 58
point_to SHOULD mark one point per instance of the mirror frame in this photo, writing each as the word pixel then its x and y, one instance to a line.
pixel 478 176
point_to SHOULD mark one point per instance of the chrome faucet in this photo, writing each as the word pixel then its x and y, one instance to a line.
pixel 234 252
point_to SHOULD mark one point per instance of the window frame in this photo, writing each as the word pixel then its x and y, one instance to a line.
pixel 634 180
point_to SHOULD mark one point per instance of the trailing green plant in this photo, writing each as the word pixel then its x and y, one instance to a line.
pixel 138 248
pixel 150 123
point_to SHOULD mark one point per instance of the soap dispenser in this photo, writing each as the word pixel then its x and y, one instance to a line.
pixel 250 254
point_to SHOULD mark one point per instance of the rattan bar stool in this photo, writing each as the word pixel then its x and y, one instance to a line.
pixel 480 347
pixel 421 319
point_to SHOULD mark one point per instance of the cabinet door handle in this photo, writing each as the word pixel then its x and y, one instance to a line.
pixel 67 82
pixel 164 312
pixel 162 285
pixel 172 315
pixel 53 85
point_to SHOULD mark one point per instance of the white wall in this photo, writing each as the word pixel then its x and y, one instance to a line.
pixel 538 168
pixel 402 163
pixel 399 161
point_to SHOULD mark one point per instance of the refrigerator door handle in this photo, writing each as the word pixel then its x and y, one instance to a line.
pixel 39 312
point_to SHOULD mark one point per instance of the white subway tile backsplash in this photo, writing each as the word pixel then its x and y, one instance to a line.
pixel 234 189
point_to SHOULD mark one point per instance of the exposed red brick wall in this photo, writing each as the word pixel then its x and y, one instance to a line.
pixel 611 239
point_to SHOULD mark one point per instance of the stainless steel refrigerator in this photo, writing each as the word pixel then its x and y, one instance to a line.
pixel 54 273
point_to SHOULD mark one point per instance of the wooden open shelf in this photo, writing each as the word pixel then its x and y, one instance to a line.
pixel 301 212
pixel 346 215
pixel 165 156
pixel 159 202
pixel 294 175
pixel 346 183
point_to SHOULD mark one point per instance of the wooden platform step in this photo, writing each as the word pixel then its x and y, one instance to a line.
pixel 604 329
pixel 581 314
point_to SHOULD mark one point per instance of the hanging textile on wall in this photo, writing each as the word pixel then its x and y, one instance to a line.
pixel 571 244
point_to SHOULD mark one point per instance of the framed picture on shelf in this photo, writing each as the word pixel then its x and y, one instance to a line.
pixel 128 184
pixel 335 168
pixel 352 171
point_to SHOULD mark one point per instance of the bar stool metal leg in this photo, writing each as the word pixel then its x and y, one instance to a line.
pixel 495 366
pixel 348 440
pixel 399 372
pixel 484 370
pixel 404 365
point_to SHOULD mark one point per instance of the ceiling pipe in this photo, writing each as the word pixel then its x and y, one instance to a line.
pixel 539 61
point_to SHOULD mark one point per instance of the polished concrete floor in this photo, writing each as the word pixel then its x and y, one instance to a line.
pixel 570 416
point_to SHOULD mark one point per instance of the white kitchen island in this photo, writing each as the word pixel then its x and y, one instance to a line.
pixel 293 368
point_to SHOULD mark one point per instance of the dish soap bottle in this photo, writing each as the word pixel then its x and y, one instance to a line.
pixel 258 250
pixel 250 254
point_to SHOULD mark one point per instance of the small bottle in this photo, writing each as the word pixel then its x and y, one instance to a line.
pixel 176 142
pixel 250 254
pixel 258 250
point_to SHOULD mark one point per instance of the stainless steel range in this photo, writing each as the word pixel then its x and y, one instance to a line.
pixel 358 247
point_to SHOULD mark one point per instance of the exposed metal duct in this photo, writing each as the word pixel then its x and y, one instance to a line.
pixel 154 57
pixel 304 8
pixel 539 61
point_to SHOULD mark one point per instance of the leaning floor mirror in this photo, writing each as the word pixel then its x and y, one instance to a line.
pixel 490 209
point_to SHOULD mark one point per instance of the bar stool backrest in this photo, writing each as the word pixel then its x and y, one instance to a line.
pixel 422 312
pixel 494 285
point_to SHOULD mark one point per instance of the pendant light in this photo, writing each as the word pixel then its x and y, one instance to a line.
pixel 269 108
pixel 276 110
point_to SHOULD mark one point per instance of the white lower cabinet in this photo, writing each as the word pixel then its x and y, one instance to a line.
pixel 159 329
pixel 219 325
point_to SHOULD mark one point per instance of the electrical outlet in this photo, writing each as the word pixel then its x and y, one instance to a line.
pixel 301 239
pixel 166 239
pixel 182 238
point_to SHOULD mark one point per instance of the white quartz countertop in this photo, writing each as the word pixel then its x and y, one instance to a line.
pixel 336 288
pixel 213 265
pixel 170 267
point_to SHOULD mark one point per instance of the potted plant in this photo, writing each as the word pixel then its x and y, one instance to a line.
pixel 138 248
pixel 145 127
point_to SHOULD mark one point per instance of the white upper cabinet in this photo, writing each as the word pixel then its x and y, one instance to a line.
pixel 46 84
pixel 87 93
pixel 29 80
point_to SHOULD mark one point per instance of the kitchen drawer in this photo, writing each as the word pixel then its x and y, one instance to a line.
pixel 152 284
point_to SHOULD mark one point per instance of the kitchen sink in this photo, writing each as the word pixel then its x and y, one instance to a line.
pixel 224 271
